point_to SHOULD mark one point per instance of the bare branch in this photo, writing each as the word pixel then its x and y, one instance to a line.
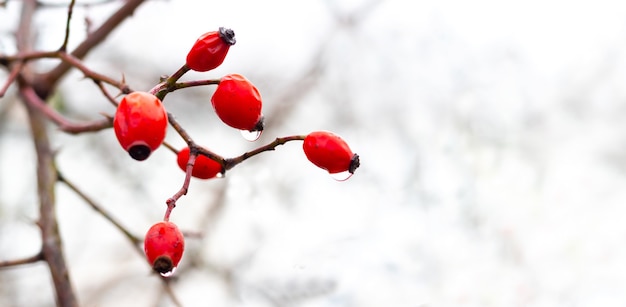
pixel 28 260
pixel 12 76
pixel 48 80
pixel 171 202
pixel 70 10
pixel 52 247
pixel 95 206
pixel 76 62
pixel 106 93
pixel 232 162
pixel 63 123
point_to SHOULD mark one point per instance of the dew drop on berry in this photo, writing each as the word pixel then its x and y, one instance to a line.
pixel 341 176
pixel 250 135
pixel 168 274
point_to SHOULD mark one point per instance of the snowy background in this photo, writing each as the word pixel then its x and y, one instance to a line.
pixel 491 134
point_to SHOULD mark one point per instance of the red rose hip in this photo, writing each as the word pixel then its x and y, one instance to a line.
pixel 330 152
pixel 210 49
pixel 140 124
pixel 238 103
pixel 164 245
pixel 203 167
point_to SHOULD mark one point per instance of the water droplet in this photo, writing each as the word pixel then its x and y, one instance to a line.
pixel 219 175
pixel 341 176
pixel 168 274
pixel 251 135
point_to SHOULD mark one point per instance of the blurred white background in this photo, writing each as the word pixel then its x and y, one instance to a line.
pixel 491 136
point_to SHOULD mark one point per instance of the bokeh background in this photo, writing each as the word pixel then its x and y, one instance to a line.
pixel 491 134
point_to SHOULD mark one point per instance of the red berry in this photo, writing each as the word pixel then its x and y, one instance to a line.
pixel 164 245
pixel 209 51
pixel 237 103
pixel 330 152
pixel 203 167
pixel 140 124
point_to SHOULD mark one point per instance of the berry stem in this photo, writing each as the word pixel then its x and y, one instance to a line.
pixel 171 202
pixel 185 84
pixel 231 162
pixel 169 84
pixel 170 147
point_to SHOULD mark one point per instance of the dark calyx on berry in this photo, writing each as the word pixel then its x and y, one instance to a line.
pixel 139 152
pixel 260 125
pixel 227 35
pixel 354 163
pixel 163 264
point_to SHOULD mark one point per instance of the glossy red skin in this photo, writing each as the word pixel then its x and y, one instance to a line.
pixel 140 118
pixel 203 167
pixel 208 52
pixel 164 239
pixel 237 102
pixel 327 151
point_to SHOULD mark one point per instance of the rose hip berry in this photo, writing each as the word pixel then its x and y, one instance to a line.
pixel 209 51
pixel 203 167
pixel 238 103
pixel 330 152
pixel 140 124
pixel 164 245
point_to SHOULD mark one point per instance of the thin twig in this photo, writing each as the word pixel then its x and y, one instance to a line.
pixel 70 10
pixel 12 75
pixel 95 206
pixel 135 241
pixel 171 202
pixel 232 162
pixel 105 92
pixel 63 123
pixel 45 4
pixel 170 147
pixel 48 81
pixel 28 260
pixel 164 87
pixel 181 131
pixel 77 63
pixel 70 60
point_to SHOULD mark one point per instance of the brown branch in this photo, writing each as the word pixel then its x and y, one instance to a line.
pixel 52 246
pixel 135 241
pixel 70 10
pixel 106 93
pixel 45 4
pixel 95 206
pixel 28 260
pixel 170 147
pixel 231 162
pixel 12 76
pixel 63 123
pixel 167 83
pixel 171 202
pixel 46 82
